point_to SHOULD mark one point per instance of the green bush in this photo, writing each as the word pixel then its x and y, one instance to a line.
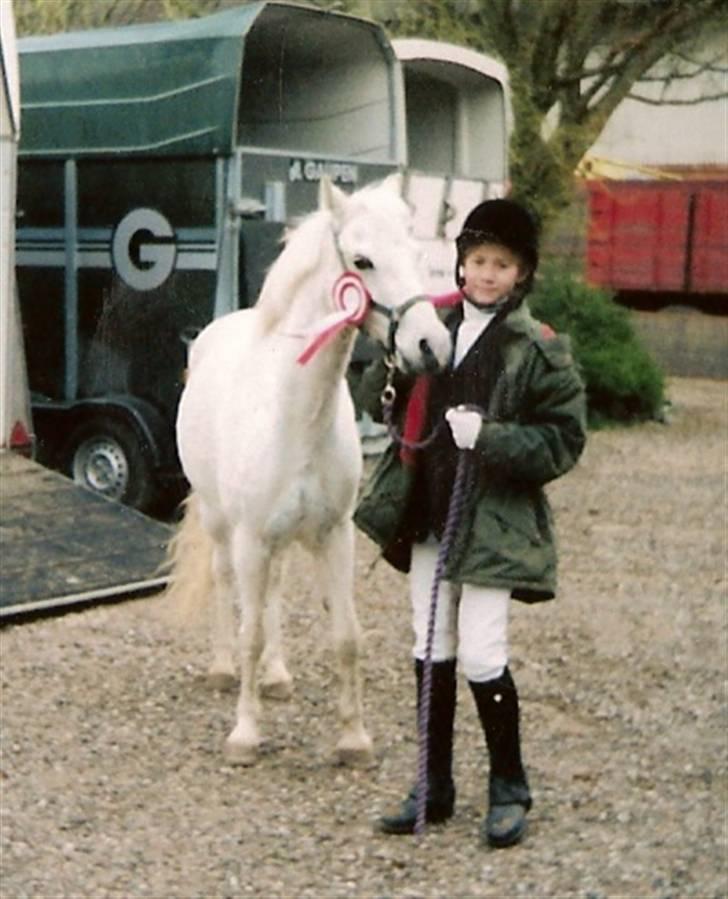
pixel 623 382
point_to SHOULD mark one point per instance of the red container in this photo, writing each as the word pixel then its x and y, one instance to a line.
pixel 664 236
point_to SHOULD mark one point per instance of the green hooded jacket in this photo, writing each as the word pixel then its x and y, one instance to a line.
pixel 534 431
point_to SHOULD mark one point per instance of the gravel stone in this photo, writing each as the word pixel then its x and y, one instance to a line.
pixel 114 784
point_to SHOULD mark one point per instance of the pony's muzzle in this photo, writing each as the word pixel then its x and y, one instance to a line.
pixel 422 341
pixel 430 362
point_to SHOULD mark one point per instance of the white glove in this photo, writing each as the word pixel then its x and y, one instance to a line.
pixel 465 426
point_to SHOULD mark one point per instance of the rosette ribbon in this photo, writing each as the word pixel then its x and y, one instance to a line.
pixel 352 301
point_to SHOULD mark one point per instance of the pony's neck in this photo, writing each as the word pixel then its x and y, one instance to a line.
pixel 320 378
pixel 297 290
pixel 297 294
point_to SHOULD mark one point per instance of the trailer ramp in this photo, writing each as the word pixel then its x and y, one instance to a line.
pixel 61 545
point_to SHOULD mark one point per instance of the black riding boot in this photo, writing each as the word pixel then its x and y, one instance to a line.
pixel 440 787
pixel 508 795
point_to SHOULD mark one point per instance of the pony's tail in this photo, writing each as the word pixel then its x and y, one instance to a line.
pixel 189 561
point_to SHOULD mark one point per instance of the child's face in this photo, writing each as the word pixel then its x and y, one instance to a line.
pixel 490 272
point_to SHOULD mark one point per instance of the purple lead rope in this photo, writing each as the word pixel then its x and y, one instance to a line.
pixel 454 510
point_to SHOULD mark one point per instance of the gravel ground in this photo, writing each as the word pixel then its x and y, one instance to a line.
pixel 114 783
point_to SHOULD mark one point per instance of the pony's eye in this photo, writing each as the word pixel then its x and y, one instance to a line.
pixel 362 263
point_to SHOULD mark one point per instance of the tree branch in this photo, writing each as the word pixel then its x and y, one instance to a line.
pixel 498 14
pixel 637 58
pixel 675 75
pixel 650 101
pixel 555 17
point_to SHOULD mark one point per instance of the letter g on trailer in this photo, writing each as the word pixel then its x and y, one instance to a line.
pixel 158 167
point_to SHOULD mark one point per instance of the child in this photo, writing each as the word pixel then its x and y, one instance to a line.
pixel 512 395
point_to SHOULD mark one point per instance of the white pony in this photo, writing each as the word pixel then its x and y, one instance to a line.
pixel 268 440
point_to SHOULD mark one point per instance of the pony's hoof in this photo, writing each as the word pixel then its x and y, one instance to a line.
pixel 356 755
pixel 221 680
pixel 280 689
pixel 238 753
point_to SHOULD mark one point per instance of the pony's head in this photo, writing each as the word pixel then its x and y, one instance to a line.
pixel 372 233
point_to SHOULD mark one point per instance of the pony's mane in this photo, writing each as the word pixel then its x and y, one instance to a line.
pixel 301 254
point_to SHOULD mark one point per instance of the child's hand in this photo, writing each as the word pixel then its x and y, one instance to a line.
pixel 465 426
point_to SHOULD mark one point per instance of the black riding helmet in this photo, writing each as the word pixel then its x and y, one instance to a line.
pixel 503 222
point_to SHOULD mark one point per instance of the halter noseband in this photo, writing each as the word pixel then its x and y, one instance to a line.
pixel 394 315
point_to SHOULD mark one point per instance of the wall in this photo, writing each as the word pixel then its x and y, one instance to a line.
pixel 685 342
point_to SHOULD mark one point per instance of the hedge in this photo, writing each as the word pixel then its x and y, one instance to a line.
pixel 624 384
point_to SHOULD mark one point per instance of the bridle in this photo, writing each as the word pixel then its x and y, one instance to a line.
pixel 353 304
pixel 394 315
pixel 366 304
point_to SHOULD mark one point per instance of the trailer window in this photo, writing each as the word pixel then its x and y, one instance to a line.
pixel 455 120
pixel 316 90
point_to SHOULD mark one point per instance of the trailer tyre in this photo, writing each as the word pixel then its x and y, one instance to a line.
pixel 105 456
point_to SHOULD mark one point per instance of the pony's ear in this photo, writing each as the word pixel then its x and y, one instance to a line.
pixel 331 198
pixel 394 183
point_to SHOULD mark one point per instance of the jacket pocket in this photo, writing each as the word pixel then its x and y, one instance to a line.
pixel 506 546
pixel 516 513
pixel 522 525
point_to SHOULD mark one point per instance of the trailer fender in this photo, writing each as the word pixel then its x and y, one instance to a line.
pixel 118 446
pixel 152 428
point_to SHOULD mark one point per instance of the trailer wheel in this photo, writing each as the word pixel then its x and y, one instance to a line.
pixel 105 456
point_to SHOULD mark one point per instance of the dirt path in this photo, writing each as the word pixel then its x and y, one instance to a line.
pixel 113 782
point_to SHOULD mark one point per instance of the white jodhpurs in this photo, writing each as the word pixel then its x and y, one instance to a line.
pixel 471 622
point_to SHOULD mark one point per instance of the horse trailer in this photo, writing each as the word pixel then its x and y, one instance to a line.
pixel 61 544
pixel 158 167
pixel 458 118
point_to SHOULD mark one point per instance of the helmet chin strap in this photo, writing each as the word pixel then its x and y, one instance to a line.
pixel 508 302
pixel 490 307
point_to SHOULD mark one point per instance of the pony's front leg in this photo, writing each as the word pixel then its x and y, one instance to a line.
pixel 251 561
pixel 275 681
pixel 222 673
pixel 337 555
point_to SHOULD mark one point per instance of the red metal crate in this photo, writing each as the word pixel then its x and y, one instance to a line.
pixel 658 236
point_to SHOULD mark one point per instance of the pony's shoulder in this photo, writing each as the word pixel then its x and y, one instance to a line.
pixel 219 332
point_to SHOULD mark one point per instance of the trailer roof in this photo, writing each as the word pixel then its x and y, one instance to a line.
pixel 167 88
pixel 439 55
